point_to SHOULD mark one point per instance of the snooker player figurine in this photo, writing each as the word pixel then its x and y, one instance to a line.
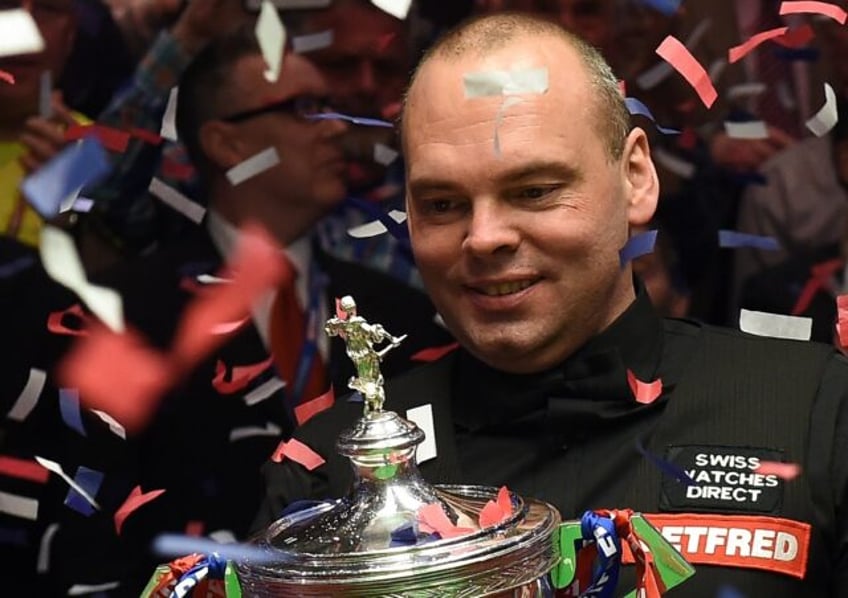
pixel 360 338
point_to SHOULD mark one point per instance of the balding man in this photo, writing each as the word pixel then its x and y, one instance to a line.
pixel 518 206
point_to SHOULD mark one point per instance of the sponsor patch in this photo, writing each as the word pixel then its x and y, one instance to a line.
pixel 746 541
pixel 725 480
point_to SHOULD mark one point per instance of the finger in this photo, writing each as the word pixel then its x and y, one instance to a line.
pixel 40 148
pixel 30 164
pixel 61 113
pixel 45 129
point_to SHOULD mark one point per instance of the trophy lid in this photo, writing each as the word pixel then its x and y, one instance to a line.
pixel 373 541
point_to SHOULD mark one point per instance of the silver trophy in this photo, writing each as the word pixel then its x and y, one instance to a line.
pixel 348 547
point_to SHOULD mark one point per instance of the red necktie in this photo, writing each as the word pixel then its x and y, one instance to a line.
pixel 288 339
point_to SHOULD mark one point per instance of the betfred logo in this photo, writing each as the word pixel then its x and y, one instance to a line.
pixel 748 541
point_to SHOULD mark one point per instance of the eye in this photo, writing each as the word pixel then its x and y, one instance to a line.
pixel 535 192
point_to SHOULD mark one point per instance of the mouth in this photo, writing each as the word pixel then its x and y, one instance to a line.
pixel 501 289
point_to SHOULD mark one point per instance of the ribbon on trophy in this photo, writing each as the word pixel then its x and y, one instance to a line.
pixel 593 549
pixel 194 575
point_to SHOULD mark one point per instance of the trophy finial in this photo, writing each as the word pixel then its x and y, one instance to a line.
pixel 360 338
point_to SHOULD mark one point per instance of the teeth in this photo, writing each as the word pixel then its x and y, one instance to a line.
pixel 506 288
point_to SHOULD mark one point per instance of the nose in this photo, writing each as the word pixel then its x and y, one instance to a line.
pixel 491 230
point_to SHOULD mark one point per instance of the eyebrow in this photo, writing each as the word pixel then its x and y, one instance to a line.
pixel 560 171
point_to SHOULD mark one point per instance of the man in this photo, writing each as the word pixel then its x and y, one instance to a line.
pixel 519 250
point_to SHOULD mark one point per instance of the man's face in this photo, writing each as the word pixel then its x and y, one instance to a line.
pixel 56 21
pixel 519 251
pixel 366 68
pixel 310 175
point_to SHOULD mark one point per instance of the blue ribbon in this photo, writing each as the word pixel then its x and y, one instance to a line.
pixel 601 531
pixel 211 566
pixel 357 120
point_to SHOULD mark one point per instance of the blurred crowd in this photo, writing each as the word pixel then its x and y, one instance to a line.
pixel 176 91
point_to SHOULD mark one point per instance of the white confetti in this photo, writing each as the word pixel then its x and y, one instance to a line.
pixel 499 82
pixel 506 105
pixel 43 563
pixel 674 164
pixel 267 158
pixel 716 69
pixel 263 391
pixel 270 429
pixel 775 325
pixel 210 279
pixel 223 536
pixel 82 204
pixel 755 129
pixel 271 34
pixel 81 589
pixel 383 154
pixel 18 506
pixel 57 469
pixel 18 33
pixel 168 130
pixel 826 118
pixel 312 41
pixel 396 8
pixel 746 90
pixel 62 263
pixel 375 227
pixel 423 418
pixel 173 198
pixel 113 424
pixel 28 398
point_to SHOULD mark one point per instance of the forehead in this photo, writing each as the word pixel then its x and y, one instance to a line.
pixel 297 76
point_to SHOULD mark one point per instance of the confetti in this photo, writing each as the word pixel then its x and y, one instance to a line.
pixel 732 239
pixel 57 469
pixel 271 34
pixel 423 418
pixel 737 53
pixel 637 246
pixel 43 562
pixel 306 411
pixel 29 396
pixel 24 469
pixel 745 90
pixel 81 589
pixel 297 452
pixel 496 511
pixel 822 8
pixel 677 55
pixel 270 429
pixel 173 198
pixel 112 139
pixel 375 227
pixel 754 129
pixel 7 77
pixel 674 164
pixel 505 105
pixel 62 263
pixel 433 519
pixel 145 135
pixel 357 120
pixel 18 506
pixel 666 467
pixel 264 160
pixel 240 377
pixel 635 107
pixel 168 130
pixel 264 391
pixel 797 37
pixel 88 480
pixel 397 8
pixel 827 117
pixel 172 545
pixel 644 392
pixel 312 42
pixel 116 428
pixel 785 471
pixel 499 82
pixel 75 166
pixel 18 33
pixel 69 407
pixel 384 155
pixel 136 499
pixel 434 353
pixel 666 7
pixel 775 325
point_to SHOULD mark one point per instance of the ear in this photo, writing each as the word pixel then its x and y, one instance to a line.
pixel 220 143
pixel 640 178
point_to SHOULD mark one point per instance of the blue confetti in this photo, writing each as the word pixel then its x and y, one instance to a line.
pixel 727 591
pixel 635 107
pixel 357 120
pixel 89 480
pixel 70 407
pixel 667 467
pixel 733 239
pixel 637 246
pixel 666 7
pixel 76 166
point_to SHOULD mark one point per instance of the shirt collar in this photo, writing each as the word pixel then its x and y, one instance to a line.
pixel 596 372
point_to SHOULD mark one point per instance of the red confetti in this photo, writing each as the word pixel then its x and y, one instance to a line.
pixel 56 319
pixel 306 411
pixel 299 453
pixel 433 519
pixel 737 53
pixel 242 375
pixel 135 500
pixel 194 528
pixel 785 471
pixel 112 139
pixel 119 374
pixel 176 171
pixel 498 511
pixel 677 55
pixel 797 37
pixel 822 8
pixel 434 353
pixel 7 77
pixel 820 275
pixel 146 136
pixel 24 469
pixel 644 392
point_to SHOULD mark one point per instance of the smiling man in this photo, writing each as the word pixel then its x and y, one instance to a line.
pixel 518 206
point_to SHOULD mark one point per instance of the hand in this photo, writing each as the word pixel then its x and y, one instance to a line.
pixel 746 155
pixel 204 20
pixel 45 137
